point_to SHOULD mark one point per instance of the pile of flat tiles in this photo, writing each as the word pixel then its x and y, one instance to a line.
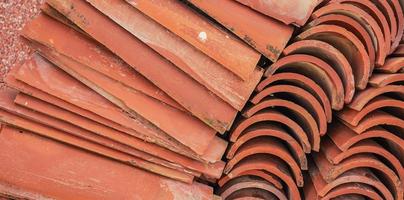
pixel 146 88
pixel 207 99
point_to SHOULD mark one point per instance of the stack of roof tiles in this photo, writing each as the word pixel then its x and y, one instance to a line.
pixel 132 99
pixel 363 151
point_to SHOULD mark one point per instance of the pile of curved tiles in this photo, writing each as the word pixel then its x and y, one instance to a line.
pixel 362 153
pixel 282 124
pixel 283 147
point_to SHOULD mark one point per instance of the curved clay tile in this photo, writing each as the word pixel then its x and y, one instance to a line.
pixel 363 97
pixel 270 130
pixel 266 146
pixel 388 12
pixel 271 165
pixel 336 156
pixel 367 21
pixel 304 118
pixel 316 69
pixel 274 180
pixel 241 183
pixel 376 14
pixel 353 188
pixel 262 33
pixel 345 138
pixel 381 80
pixel 330 172
pixel 377 118
pixel 297 13
pixel 330 55
pixel 351 25
pixel 305 83
pixel 348 44
pixel 302 97
pixel 392 65
pixel 353 117
pixel 252 194
pixel 399 51
pixel 398 11
pixel 358 175
pixel 274 116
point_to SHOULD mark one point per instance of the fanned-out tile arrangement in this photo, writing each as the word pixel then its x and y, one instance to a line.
pixel 207 99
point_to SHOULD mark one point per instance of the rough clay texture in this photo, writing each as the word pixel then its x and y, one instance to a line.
pixel 13 16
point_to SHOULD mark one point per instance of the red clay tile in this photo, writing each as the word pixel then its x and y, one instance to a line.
pixel 330 172
pixel 208 108
pixel 309 191
pixel 345 138
pixel 377 118
pixel 303 82
pixel 376 14
pixel 271 131
pixel 364 96
pixel 274 116
pixel 367 21
pixel 274 180
pixel 226 49
pixel 304 118
pixel 271 165
pixel 351 25
pixel 317 70
pixel 343 191
pixel 392 65
pixel 242 183
pixel 359 175
pixel 348 44
pixel 8 192
pixel 296 113
pixel 53 13
pixel 86 169
pixel 353 117
pixel 336 156
pixel 362 176
pixel 381 80
pixel 266 146
pixel 76 46
pixel 398 11
pixel 399 51
pixel 388 12
pixel 299 96
pixel 251 194
pixel 297 12
pixel 333 57
pixel 199 66
pixel 212 170
pixel 264 34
